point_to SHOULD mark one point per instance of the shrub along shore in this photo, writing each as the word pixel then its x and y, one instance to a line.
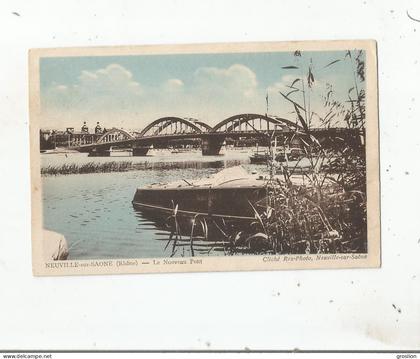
pixel 90 167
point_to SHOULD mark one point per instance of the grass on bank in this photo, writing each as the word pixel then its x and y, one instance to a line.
pixel 90 167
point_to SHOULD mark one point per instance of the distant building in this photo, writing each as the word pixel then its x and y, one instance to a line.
pixel 51 139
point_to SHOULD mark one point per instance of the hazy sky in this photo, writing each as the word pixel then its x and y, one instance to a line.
pixel 131 91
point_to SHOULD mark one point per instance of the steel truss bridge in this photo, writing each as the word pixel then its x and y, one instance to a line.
pixel 166 130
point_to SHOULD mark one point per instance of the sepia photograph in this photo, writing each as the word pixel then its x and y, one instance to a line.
pixel 204 157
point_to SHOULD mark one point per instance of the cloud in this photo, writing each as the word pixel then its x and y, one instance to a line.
pixel 216 93
pixel 113 79
pixel 112 87
pixel 173 85
pixel 237 80
pixel 282 85
pixel 112 94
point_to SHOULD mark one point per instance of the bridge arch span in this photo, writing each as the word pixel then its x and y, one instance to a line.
pixel 204 126
pixel 251 122
pixel 175 125
pixel 113 135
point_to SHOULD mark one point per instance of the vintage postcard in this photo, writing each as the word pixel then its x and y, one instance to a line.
pixel 210 157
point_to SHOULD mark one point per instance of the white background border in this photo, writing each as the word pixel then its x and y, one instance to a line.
pixel 322 309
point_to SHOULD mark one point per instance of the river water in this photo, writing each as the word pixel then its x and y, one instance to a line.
pixel 94 211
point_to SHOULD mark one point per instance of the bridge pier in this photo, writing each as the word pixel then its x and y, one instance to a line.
pixel 210 146
pixel 140 150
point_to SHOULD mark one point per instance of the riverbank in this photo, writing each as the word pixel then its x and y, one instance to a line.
pixel 58 151
pixel 80 163
pixel 90 167
pixel 125 166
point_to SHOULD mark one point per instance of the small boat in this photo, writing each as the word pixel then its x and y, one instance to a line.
pixel 259 157
pixel 289 154
pixel 281 154
pixel 228 195
pixel 182 150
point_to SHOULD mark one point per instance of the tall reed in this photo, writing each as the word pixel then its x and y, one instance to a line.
pixel 327 214
pixel 90 167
